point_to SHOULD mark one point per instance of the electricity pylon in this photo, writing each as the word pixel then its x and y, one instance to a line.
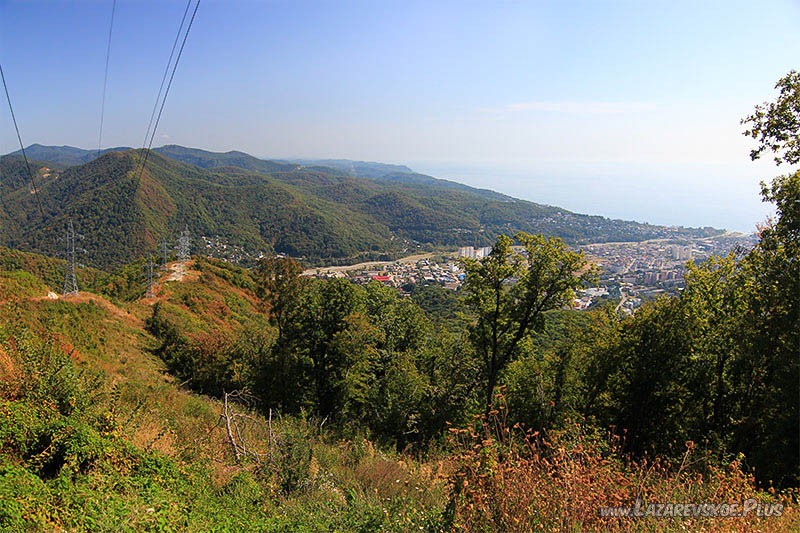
pixel 164 246
pixel 70 280
pixel 148 280
pixel 184 245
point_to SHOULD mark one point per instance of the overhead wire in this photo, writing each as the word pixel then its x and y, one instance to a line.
pixel 105 78
pixel 151 128
pixel 166 91
pixel 166 72
pixel 21 146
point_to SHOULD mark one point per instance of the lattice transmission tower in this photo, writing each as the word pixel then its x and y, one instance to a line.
pixel 184 246
pixel 70 280
pixel 164 248
pixel 149 279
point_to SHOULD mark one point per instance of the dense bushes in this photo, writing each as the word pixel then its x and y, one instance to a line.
pixel 66 463
pixel 356 357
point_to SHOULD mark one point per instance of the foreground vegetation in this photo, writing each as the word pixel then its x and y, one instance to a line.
pixel 236 399
pixel 81 453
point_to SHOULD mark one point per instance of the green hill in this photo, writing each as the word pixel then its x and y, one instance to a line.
pixel 237 200
pixel 123 215
pixel 96 434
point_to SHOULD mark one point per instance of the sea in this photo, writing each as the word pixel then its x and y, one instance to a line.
pixel 720 196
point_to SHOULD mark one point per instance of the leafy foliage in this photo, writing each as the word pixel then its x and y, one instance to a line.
pixel 509 291
pixel 776 125
pixel 278 284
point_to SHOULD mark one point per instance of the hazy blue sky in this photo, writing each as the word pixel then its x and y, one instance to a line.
pixel 627 109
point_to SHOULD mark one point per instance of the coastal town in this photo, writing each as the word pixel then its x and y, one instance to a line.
pixel 629 272
pixel 635 272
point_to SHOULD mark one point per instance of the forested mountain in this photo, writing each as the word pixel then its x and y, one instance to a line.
pixel 64 156
pixel 312 212
pixel 67 156
pixel 123 215
pixel 382 172
pixel 212 160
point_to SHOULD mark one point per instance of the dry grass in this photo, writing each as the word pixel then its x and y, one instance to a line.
pixel 509 480
pixel 8 370
pixel 114 311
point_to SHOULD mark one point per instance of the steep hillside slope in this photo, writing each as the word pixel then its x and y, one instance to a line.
pixel 96 435
pixel 123 214
pixel 27 275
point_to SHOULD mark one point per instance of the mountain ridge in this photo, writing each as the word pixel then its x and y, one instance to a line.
pixel 307 212
pixel 69 156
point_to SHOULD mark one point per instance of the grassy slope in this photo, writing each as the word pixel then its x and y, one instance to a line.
pixel 144 454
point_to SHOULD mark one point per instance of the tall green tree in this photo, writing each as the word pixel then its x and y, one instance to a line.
pixel 281 381
pixel 325 309
pixel 767 421
pixel 545 384
pixel 278 284
pixel 776 125
pixel 715 299
pixel 653 397
pixel 508 292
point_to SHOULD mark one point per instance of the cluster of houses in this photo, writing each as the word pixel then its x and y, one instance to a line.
pixel 403 274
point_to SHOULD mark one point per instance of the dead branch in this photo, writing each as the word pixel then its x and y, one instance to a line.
pixel 236 438
pixel 226 414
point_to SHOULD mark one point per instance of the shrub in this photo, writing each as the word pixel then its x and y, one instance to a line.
pixel 511 480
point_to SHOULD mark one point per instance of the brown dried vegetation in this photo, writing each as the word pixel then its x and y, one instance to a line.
pixel 509 479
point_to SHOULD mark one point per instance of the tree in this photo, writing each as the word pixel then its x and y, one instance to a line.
pixel 654 396
pixel 324 310
pixel 280 382
pixel 509 291
pixel 776 125
pixel 768 419
pixel 278 284
pixel 715 298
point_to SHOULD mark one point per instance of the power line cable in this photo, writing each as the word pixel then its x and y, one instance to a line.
pixel 105 78
pixel 171 77
pixel 21 146
pixel 166 72
pixel 166 92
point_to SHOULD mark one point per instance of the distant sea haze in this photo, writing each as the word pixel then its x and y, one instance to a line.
pixel 724 197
